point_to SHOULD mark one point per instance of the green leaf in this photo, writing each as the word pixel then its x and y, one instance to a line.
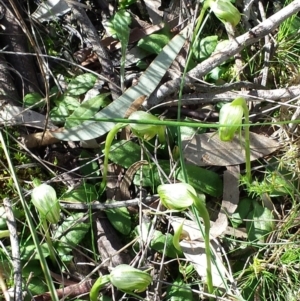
pixel 88 167
pixel 33 267
pixel 142 65
pixel 70 233
pixel 85 193
pixel 125 3
pixel 81 84
pixel 203 48
pixel 202 180
pixel 241 212
pixel 117 26
pixel 260 223
pixel 154 43
pixel 294 25
pixel 160 240
pixel 120 219
pixel 31 99
pixel 216 73
pixel 37 285
pixel 290 256
pixel 64 105
pixel 121 21
pixel 147 83
pixel 86 110
pixel 125 153
pixel 29 249
pixel 186 269
pixel 179 291
pixel 58 114
pixel 70 102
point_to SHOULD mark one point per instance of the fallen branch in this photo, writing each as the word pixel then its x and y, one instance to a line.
pixel 235 46
pixel 275 95
pixel 15 249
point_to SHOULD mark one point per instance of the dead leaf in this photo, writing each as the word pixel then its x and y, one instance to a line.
pixel 50 9
pixel 14 115
pixel 194 251
pixel 155 14
pixel 207 149
pixel 230 200
pixel 35 140
pixel 135 105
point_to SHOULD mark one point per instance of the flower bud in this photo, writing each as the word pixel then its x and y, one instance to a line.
pixel 225 11
pixel 147 131
pixel 231 115
pixel 176 196
pixel 44 199
pixel 129 279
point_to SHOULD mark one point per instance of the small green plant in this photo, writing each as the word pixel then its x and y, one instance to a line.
pixel 45 200
pixel 118 27
pixel 125 278
pixel 155 42
pixel 231 119
pixel 144 131
pixel 181 196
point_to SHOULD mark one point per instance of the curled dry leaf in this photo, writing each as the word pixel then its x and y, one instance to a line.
pixel 37 139
pixel 230 200
pixel 194 250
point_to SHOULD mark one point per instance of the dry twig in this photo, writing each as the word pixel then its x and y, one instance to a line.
pixel 235 46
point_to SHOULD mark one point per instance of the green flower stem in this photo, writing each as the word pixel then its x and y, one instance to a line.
pixel 180 123
pixel 190 53
pixel 199 22
pixel 109 139
pixel 49 241
pixel 201 208
pixel 97 286
pixel 43 262
pixel 247 141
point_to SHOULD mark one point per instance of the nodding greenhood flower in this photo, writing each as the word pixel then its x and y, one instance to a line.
pixel 147 131
pixel 44 199
pixel 225 11
pixel 176 196
pixel 129 279
pixel 231 115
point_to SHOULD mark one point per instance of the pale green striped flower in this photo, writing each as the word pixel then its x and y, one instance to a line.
pixel 45 200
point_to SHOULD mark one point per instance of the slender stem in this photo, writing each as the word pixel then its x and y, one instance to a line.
pixel 108 142
pixel 195 34
pixel 43 262
pixel 201 208
pixel 247 141
pixel 49 241
pixel 206 220
pixel 97 286
pixel 182 123
pixel 203 211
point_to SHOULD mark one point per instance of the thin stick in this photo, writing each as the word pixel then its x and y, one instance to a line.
pixel 15 250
